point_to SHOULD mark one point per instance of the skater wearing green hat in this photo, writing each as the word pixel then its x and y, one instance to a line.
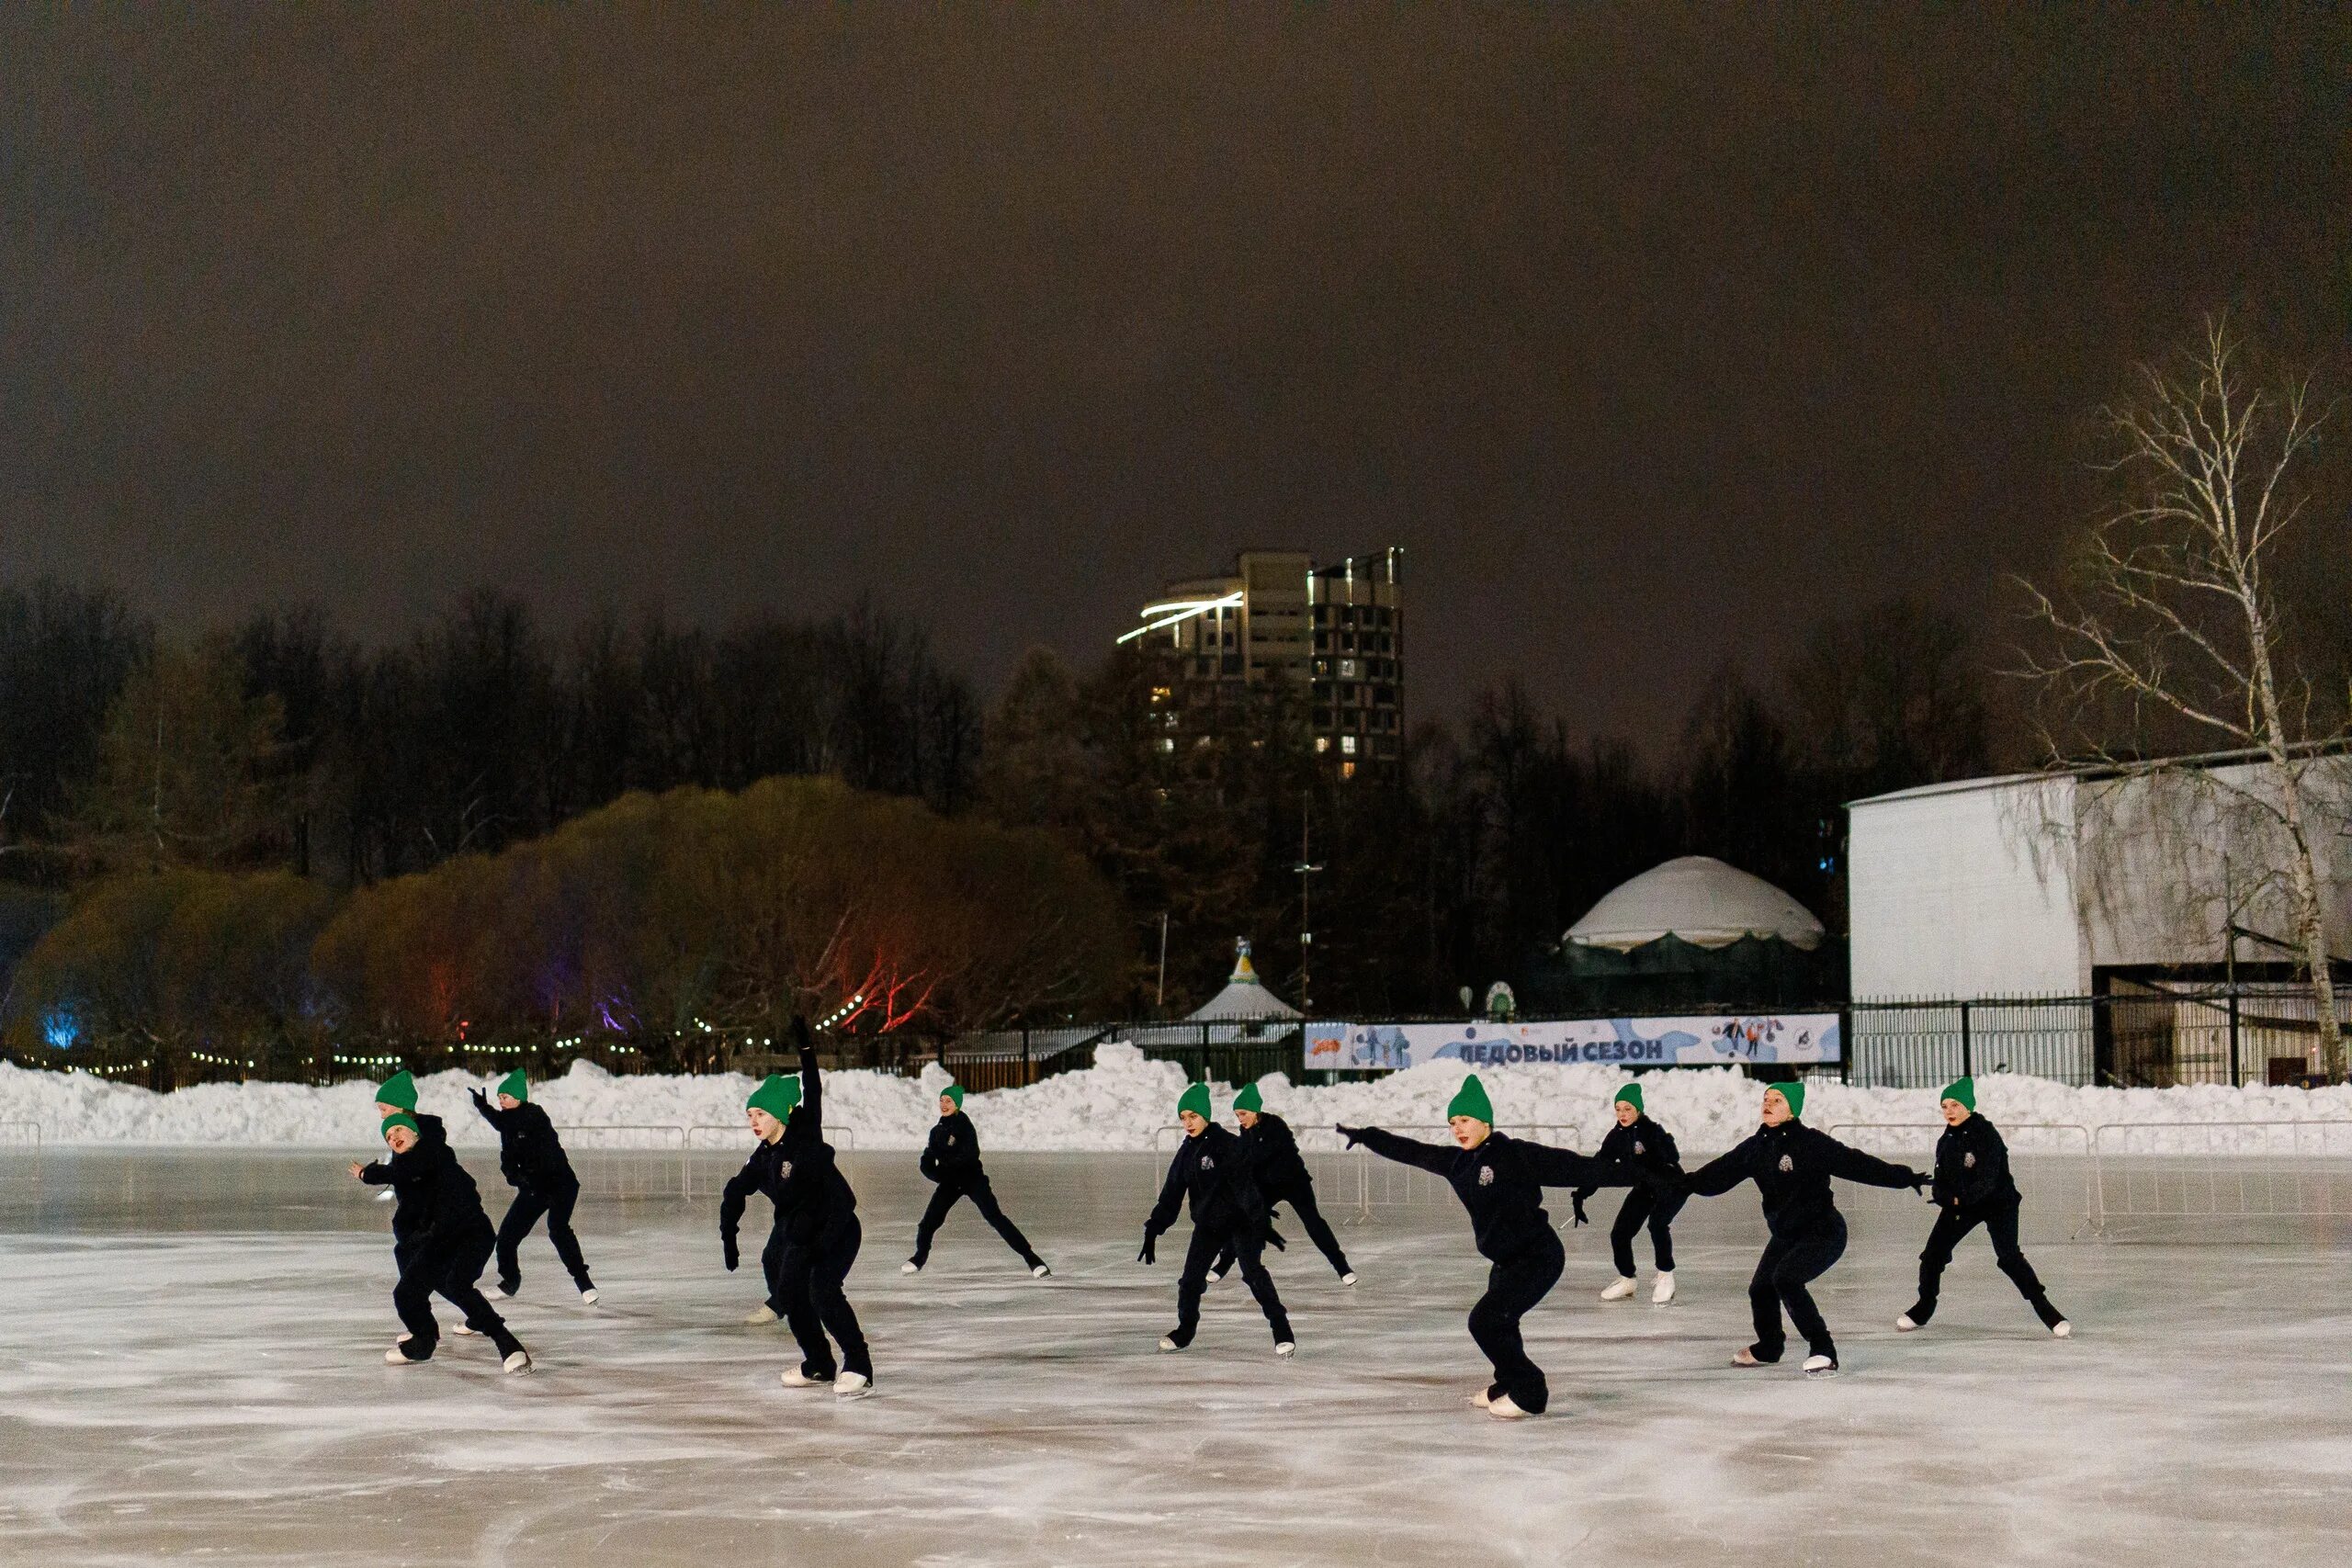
pixel 441 1240
pixel 1211 1173
pixel 1647 1150
pixel 1792 1166
pixel 766 1110
pixel 1500 1182
pixel 1974 1188
pixel 532 1159
pixel 952 1159
pixel 1272 1150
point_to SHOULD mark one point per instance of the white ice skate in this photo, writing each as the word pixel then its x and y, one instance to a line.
pixel 1820 1366
pixel 1744 1357
pixel 793 1377
pixel 499 1294
pixel 588 1296
pixel 1482 1399
pixel 396 1357
pixel 1618 1288
pixel 1349 1279
pixel 1039 1272
pixel 852 1385
pixel 1215 1275
pixel 1167 1344
pixel 759 1315
pixel 464 1329
pixel 1502 1407
pixel 2062 1329
pixel 517 1364
pixel 1906 1324
pixel 1285 1350
pixel 1663 1291
pixel 910 1268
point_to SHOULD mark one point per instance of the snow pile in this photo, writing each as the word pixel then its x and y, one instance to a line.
pixel 1123 1100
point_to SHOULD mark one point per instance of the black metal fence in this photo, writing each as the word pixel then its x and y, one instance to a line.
pixel 2138 1039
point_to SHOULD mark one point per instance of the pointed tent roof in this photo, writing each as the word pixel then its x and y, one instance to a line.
pixel 1244 996
pixel 1701 900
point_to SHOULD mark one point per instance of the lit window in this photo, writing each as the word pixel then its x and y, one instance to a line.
pixel 1347 770
pixel 1322 743
pixel 1348 744
pixel 1168 743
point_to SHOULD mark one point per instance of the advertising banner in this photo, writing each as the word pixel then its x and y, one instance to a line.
pixel 1618 1041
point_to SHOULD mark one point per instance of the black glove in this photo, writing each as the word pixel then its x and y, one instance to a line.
pixel 733 1258
pixel 1575 1202
pixel 800 1041
pixel 1354 1135
pixel 1920 1179
pixel 480 1098
pixel 1274 1239
pixel 1150 1253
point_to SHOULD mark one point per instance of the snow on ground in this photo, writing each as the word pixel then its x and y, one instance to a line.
pixel 1120 1103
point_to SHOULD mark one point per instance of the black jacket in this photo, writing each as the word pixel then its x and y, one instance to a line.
pixel 529 1154
pixel 952 1156
pixel 1211 1172
pixel 1791 1165
pixel 1647 1152
pixel 1500 1182
pixel 796 1171
pixel 1272 1151
pixel 1972 1166
pixel 438 1200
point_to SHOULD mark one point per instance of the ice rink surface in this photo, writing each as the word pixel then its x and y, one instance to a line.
pixel 190 1371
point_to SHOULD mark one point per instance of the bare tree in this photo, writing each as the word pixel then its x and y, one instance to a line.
pixel 2168 624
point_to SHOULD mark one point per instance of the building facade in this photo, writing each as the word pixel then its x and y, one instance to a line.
pixel 1328 639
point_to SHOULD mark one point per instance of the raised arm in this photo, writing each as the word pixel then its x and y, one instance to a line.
pixel 490 1112
pixel 1721 1174
pixel 1438 1158
pixel 812 1086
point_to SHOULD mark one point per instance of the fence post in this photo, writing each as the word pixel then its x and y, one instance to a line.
pixel 1028 1073
pixel 2236 1078
pixel 1845 1041
pixel 1967 1053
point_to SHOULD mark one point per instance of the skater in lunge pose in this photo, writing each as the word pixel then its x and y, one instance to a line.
pixel 1500 1182
pixel 1211 1173
pixel 952 1159
pixel 1647 1150
pixel 1791 1165
pixel 531 1157
pixel 1283 1178
pixel 1973 1187
pixel 767 1109
pixel 441 1240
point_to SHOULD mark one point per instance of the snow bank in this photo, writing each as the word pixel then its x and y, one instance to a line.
pixel 1121 1102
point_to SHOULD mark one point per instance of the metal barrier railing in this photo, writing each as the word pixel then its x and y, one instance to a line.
pixel 19 1139
pixel 713 1137
pixel 2224 1170
pixel 624 1166
pixel 1339 1171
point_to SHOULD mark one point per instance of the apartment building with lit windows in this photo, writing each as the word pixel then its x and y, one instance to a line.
pixel 1331 637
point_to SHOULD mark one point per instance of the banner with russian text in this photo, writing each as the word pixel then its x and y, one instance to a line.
pixel 1724 1040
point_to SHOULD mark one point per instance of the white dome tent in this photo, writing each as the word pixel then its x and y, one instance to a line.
pixel 1700 900
pixel 1245 998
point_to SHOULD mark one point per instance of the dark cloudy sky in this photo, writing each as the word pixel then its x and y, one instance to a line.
pixel 1648 333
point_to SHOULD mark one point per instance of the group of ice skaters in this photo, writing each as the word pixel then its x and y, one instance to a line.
pixel 1233 1184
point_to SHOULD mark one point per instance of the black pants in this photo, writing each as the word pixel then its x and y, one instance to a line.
pixel 1643 1206
pixel 449 1270
pixel 983 1197
pixel 555 1201
pixel 1514 1287
pixel 1243 1242
pixel 772 1266
pixel 810 1275
pixel 2000 1223
pixel 1300 1196
pixel 1791 1263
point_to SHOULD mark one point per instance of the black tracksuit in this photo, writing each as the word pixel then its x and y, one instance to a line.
pixel 531 1157
pixel 816 1235
pixel 1647 1150
pixel 1211 1172
pixel 952 1159
pixel 441 1239
pixel 1501 1184
pixel 1791 1165
pixel 1272 1156
pixel 1973 1186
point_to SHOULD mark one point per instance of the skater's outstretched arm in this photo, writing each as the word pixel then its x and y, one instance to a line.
pixel 1853 1164
pixel 1549 1166
pixel 1724 1173
pixel 1438 1158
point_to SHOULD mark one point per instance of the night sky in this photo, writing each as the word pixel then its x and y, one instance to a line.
pixel 1648 336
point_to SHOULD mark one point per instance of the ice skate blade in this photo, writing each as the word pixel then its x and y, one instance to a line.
pixel 518 1364
pixel 1285 1350
pixel 1820 1367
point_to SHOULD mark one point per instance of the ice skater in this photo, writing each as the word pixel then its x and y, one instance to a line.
pixel 1272 1152
pixel 1647 1150
pixel 1974 1188
pixel 531 1157
pixel 1791 1165
pixel 769 1105
pixel 442 1239
pixel 1211 1173
pixel 1500 1182
pixel 952 1159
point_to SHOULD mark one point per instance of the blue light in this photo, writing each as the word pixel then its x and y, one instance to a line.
pixel 61 1028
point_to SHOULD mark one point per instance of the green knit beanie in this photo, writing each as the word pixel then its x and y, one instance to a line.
pixel 1249 1099
pixel 953 1091
pixel 1471 1099
pixel 398 1089
pixel 1630 1095
pixel 776 1096
pixel 515 1084
pixel 1794 1092
pixel 1195 1099
pixel 1961 1089
pixel 398 1119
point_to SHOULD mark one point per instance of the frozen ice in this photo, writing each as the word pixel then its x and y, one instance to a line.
pixel 192 1370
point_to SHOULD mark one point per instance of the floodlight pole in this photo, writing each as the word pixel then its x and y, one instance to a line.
pixel 1306 912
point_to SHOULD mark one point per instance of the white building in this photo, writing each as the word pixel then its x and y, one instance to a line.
pixel 2060 885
